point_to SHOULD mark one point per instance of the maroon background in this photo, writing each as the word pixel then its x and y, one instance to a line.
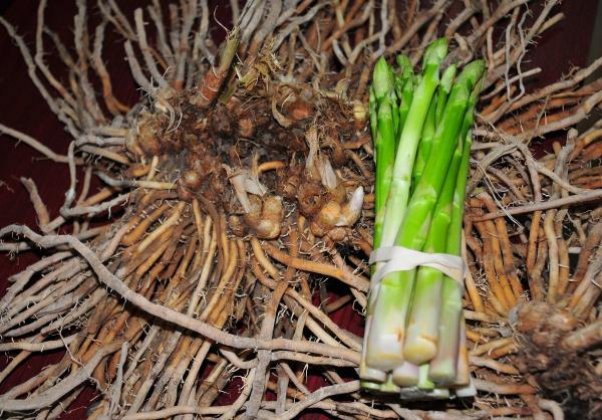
pixel 23 108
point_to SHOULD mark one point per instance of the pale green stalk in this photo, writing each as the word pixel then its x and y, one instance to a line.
pixel 385 153
pixel 410 137
pixel 424 148
pixel 424 382
pixel 388 327
pixel 423 324
pixel 382 113
pixel 404 87
pixel 433 120
pixel 383 341
pixel 445 86
pixel 443 367
pixel 372 107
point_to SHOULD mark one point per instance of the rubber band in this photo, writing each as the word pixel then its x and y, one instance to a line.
pixel 398 258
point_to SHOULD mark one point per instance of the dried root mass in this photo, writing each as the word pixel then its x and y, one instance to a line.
pixel 244 179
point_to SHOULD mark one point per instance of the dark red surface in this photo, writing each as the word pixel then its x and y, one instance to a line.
pixel 23 108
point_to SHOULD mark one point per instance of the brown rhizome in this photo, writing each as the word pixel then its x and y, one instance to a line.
pixel 230 193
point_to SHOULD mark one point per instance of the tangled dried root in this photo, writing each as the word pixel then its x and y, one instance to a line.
pixel 553 354
pixel 244 179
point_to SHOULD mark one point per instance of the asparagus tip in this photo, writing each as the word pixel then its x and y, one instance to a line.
pixel 471 73
pixel 382 79
pixel 436 52
pixel 448 77
pixel 405 65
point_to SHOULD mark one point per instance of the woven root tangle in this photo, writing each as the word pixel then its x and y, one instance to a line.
pixel 243 179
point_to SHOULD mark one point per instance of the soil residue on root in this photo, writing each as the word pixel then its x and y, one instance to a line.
pixel 288 142
pixel 572 378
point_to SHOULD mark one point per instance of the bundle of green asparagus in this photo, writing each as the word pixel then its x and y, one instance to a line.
pixel 413 342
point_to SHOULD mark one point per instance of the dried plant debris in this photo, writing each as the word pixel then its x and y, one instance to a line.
pixel 245 176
